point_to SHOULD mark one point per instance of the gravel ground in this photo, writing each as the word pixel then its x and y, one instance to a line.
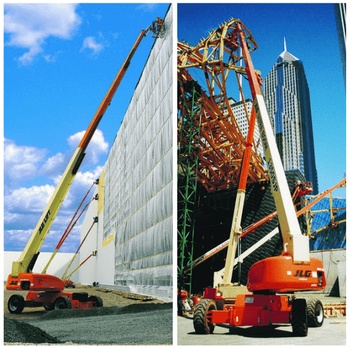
pixel 16 331
pixel 125 319
pixel 148 324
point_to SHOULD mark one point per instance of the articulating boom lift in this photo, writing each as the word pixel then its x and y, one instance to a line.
pixel 44 289
pixel 271 279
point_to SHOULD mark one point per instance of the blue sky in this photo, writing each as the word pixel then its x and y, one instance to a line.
pixel 310 33
pixel 59 61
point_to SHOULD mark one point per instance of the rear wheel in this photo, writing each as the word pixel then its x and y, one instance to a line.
pixel 201 317
pixel 96 300
pixel 63 303
pixel 15 304
pixel 80 296
pixel 315 313
pixel 299 318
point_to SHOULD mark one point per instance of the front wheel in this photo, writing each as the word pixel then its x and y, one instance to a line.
pixel 299 318
pixel 201 317
pixel 15 304
pixel 315 313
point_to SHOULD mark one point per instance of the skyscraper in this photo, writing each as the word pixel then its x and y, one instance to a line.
pixel 240 110
pixel 288 103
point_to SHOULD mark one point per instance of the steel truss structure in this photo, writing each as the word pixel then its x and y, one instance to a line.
pixel 188 135
pixel 221 143
pixel 210 142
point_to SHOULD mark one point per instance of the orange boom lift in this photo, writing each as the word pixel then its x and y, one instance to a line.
pixel 271 280
pixel 45 289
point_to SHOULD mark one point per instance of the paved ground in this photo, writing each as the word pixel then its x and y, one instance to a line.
pixel 332 332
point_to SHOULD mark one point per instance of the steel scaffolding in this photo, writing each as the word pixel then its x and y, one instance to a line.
pixel 188 136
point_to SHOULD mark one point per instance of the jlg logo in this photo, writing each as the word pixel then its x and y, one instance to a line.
pixel 44 222
pixel 301 273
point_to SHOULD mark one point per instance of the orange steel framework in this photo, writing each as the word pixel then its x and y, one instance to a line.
pixel 221 143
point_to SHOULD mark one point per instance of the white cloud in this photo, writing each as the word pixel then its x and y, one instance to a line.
pixel 29 25
pixel 97 146
pixel 23 206
pixel 21 162
pixel 147 7
pixel 90 43
pixel 53 165
pixel 32 199
pixel 86 178
pixel 15 240
pixel 94 45
pixel 82 182
pixel 28 162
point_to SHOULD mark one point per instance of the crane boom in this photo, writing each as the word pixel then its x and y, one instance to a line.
pixel 236 228
pixel 295 244
pixel 27 259
pixel 289 225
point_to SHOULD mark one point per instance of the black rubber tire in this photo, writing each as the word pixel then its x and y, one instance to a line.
pixel 97 300
pixel 315 313
pixel 80 296
pixel 16 304
pixel 63 303
pixel 49 307
pixel 299 318
pixel 200 317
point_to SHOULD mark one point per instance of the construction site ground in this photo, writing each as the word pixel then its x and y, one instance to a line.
pixel 124 319
pixel 332 332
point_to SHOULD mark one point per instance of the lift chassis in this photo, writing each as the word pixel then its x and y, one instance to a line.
pixel 272 281
pixel 257 310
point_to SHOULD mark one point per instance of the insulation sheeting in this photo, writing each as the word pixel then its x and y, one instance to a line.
pixel 138 180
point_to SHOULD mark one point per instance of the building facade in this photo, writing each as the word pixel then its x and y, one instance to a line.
pixel 133 238
pixel 288 103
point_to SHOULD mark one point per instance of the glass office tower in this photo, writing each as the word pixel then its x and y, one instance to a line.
pixel 288 103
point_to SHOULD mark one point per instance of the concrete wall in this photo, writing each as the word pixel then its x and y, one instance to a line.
pixel 334 264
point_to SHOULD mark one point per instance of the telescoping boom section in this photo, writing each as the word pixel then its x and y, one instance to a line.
pixel 293 270
pixel 22 277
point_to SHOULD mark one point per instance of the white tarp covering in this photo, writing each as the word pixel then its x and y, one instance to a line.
pixel 138 180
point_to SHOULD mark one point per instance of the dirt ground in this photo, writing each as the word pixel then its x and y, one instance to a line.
pixel 110 298
pixel 36 325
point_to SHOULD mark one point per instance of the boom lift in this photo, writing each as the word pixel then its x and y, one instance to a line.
pixel 270 280
pixel 45 289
